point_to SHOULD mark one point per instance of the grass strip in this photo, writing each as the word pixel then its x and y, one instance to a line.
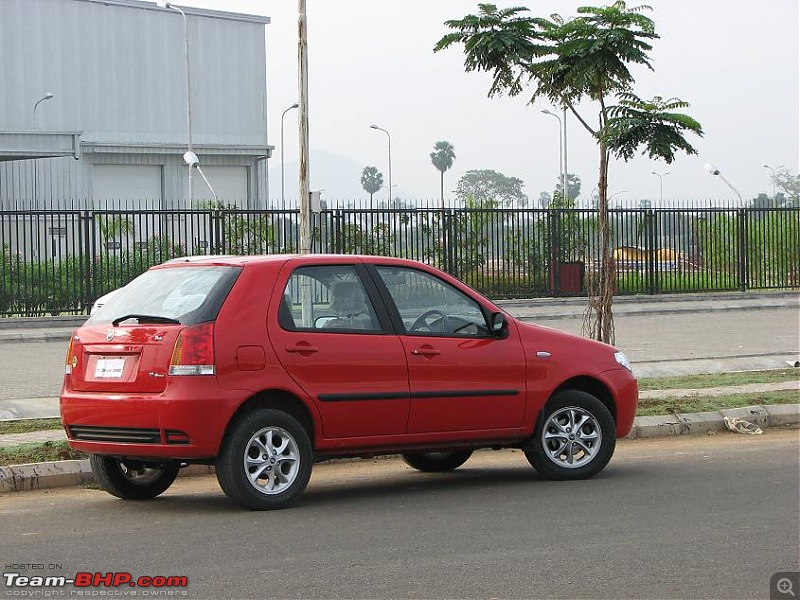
pixel 28 425
pixel 38 452
pixel 700 403
pixel 708 380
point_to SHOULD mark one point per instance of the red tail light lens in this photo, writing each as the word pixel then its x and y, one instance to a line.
pixel 72 355
pixel 194 351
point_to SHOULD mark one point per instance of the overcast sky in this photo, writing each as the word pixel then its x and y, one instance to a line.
pixel 372 62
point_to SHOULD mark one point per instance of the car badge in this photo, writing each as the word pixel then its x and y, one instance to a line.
pixel 109 335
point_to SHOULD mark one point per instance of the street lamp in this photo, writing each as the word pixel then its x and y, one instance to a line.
pixel 191 160
pixel 295 105
pixel 715 171
pixel 773 177
pixel 389 137
pixel 661 185
pixel 47 96
pixel 561 153
pixel 169 5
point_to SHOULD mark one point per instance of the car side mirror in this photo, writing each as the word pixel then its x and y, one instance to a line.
pixel 498 324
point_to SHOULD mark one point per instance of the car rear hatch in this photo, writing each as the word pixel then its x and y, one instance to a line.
pixel 159 325
pixel 133 358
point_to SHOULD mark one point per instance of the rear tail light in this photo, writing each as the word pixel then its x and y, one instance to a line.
pixel 72 356
pixel 194 351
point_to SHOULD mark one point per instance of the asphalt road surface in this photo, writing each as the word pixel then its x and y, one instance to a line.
pixel 703 516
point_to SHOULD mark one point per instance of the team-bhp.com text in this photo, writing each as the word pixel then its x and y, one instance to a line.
pixel 93 584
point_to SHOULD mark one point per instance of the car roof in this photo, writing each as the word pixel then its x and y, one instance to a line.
pixel 299 259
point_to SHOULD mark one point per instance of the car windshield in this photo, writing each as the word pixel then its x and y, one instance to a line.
pixel 186 295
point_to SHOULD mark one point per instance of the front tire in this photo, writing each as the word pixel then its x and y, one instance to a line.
pixel 133 479
pixel 437 462
pixel 265 461
pixel 574 438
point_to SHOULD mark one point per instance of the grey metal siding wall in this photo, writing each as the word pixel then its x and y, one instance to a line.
pixel 116 70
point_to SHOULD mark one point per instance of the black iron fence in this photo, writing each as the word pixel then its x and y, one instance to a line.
pixel 56 262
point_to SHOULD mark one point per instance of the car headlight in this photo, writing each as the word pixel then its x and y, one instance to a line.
pixel 623 360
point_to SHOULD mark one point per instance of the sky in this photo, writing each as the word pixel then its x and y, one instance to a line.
pixel 372 61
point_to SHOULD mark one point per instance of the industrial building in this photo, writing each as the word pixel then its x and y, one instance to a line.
pixel 94 107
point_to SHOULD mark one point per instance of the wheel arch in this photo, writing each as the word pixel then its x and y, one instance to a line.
pixel 592 386
pixel 278 399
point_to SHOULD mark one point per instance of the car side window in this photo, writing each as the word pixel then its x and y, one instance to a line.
pixel 327 298
pixel 430 306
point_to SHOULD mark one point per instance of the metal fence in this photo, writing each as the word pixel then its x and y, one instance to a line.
pixel 58 262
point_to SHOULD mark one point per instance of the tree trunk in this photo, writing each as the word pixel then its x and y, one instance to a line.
pixel 442 188
pixel 599 319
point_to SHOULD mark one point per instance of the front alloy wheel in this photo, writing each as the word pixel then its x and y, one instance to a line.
pixel 574 439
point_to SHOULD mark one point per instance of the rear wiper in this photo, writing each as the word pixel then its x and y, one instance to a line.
pixel 146 319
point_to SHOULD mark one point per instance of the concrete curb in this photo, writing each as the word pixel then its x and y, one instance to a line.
pixel 64 473
pixel 712 422
pixel 72 473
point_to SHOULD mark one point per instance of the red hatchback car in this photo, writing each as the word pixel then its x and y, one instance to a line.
pixel 262 365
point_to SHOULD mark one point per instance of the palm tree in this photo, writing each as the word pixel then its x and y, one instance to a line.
pixel 371 181
pixel 442 158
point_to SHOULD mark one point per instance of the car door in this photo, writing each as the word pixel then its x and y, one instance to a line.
pixel 461 376
pixel 339 349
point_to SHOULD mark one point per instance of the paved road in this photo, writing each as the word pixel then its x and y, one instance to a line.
pixel 704 517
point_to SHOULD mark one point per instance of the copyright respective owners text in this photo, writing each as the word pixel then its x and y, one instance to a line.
pixel 53 580
pixel 784 585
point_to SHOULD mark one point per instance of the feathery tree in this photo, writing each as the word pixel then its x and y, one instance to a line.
pixel 442 158
pixel 371 181
pixel 569 61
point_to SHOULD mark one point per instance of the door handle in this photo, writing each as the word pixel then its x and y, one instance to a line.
pixel 425 352
pixel 302 349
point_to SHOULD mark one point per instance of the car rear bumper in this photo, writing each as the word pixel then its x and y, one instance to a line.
pixel 185 422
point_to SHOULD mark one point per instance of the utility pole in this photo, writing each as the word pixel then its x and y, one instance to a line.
pixel 302 63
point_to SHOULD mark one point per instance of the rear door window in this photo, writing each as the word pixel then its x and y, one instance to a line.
pixel 328 298
pixel 187 295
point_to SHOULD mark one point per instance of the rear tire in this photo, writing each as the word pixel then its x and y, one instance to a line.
pixel 574 438
pixel 133 479
pixel 437 462
pixel 265 461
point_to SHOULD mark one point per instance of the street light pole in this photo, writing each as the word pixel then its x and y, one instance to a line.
pixel 661 186
pixel 561 154
pixel 295 105
pixel 715 171
pixel 171 6
pixel 47 96
pixel 389 137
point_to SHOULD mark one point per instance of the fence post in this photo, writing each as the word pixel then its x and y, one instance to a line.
pixel 87 252
pixel 744 271
pixel 650 224
pixel 336 230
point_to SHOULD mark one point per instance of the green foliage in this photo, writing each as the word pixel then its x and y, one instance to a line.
pixel 486 186
pixel 442 158
pixel 635 122
pixel 355 239
pixel 371 180
pixel 114 226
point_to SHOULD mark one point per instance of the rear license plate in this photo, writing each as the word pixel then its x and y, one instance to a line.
pixel 109 368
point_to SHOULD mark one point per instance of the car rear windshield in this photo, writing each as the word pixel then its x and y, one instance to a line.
pixel 186 295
